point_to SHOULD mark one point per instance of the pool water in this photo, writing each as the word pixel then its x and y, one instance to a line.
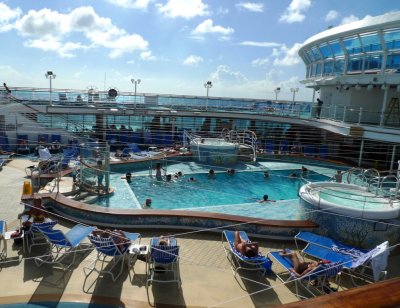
pixel 222 190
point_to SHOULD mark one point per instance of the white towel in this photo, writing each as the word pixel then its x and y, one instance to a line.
pixel 379 259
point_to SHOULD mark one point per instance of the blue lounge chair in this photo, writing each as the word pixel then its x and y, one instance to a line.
pixel 284 147
pixel 309 150
pixel 62 245
pixel 163 260
pixel 270 147
pixel 355 261
pixel 3 228
pixel 126 153
pixel 323 151
pixel 43 138
pixel 4 144
pixel 134 148
pixel 107 248
pixel 22 144
pixel 237 260
pixel 56 138
pixel 34 235
pixel 319 275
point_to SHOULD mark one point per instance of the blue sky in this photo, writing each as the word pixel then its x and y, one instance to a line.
pixel 247 49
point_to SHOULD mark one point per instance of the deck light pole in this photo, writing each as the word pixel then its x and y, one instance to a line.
pixel 135 82
pixel 49 75
pixel 294 90
pixel 277 90
pixel 208 85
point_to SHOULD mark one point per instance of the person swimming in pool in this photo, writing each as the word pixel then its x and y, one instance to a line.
pixel 158 172
pixel 265 199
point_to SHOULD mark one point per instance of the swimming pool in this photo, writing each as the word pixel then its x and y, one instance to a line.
pixel 236 195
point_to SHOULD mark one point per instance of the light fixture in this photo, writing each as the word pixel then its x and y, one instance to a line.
pixel 370 87
pixel 358 86
pixel 384 86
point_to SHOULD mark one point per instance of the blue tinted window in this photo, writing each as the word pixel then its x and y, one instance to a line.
pixel 318 70
pixel 328 68
pixel 313 70
pixel 316 54
pixel 336 48
pixel 371 42
pixel 339 67
pixel 325 51
pixel 392 39
pixel 352 45
pixel 310 55
pixel 355 64
pixel 393 61
pixel 373 62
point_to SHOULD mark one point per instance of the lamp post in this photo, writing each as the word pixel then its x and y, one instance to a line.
pixel 49 75
pixel 135 82
pixel 207 85
pixel 277 90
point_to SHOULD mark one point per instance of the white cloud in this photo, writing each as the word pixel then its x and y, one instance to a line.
pixel 332 15
pixel 131 4
pixel 65 50
pixel 208 27
pixel 183 8
pixel 286 56
pixel 50 28
pixel 251 6
pixel 260 44
pixel 224 75
pixel 147 56
pixel 7 16
pixel 192 60
pixel 221 11
pixel 130 62
pixel 259 62
pixel 294 13
pixel 349 19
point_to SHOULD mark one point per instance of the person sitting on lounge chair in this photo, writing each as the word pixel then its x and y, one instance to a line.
pixel 300 268
pixel 248 249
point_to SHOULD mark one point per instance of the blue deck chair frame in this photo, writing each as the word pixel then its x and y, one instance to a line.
pixel 323 247
pixel 3 246
pixel 63 244
pixel 34 236
pixel 314 280
pixel 163 262
pixel 107 248
pixel 240 262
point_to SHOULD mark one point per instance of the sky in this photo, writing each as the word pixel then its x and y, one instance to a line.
pixel 246 49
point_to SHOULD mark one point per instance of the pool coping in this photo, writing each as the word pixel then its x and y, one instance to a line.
pixel 142 218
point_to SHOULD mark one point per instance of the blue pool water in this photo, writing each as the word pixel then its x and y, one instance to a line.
pixel 222 194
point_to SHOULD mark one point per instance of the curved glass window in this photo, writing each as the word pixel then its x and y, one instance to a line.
pixel 352 45
pixel 392 39
pixel 355 64
pixel 373 62
pixel 318 70
pixel 371 42
pixel 316 53
pixel 313 70
pixel 328 68
pixel 338 67
pixel 310 55
pixel 325 51
pixel 393 61
pixel 336 48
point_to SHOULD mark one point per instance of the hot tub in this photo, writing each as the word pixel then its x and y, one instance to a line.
pixel 214 151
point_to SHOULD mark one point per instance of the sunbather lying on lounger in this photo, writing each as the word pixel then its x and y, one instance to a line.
pixel 248 249
pixel 300 268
